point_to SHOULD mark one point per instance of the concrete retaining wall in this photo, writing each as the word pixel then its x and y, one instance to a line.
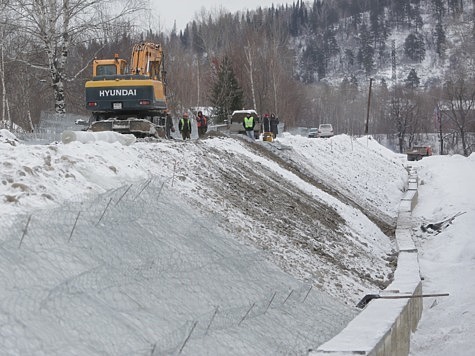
pixel 384 327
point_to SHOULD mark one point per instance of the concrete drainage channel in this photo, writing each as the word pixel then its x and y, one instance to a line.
pixel 384 327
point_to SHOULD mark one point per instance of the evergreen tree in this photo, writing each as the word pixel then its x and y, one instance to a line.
pixel 321 64
pixel 439 9
pixel 308 63
pixel 356 16
pixel 349 57
pixel 298 19
pixel 439 39
pixel 384 86
pixel 226 94
pixel 414 47
pixel 198 44
pixel 354 82
pixel 330 45
pixel 375 15
pixel 378 28
pixel 400 12
pixel 344 85
pixel 366 51
pixel 415 15
pixel 294 23
pixel 412 81
pixel 313 62
pixel 185 37
pixel 455 6
pixel 332 17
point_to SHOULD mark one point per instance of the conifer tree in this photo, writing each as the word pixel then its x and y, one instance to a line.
pixel 414 47
pixel 366 50
pixel 439 9
pixel 412 80
pixel 226 94
pixel 440 39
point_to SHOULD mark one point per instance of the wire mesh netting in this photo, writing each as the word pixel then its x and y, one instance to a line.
pixel 137 271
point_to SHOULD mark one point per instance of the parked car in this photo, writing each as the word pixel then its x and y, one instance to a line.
pixel 312 133
pixel 325 130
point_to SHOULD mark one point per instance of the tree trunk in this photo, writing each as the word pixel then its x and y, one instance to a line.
pixel 32 128
pixel 58 88
pixel 441 138
pixel 10 122
pixel 4 89
pixel 466 152
pixel 58 63
pixel 251 77
pixel 401 141
pixel 274 86
pixel 441 133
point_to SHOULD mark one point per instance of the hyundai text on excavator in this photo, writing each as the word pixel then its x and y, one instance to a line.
pixel 129 98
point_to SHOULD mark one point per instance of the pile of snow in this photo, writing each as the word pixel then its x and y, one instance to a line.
pixel 105 136
pixel 7 137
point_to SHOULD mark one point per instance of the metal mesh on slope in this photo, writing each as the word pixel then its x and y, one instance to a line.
pixel 137 271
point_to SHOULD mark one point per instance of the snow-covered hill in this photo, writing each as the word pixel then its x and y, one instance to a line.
pixel 301 200
pixel 217 244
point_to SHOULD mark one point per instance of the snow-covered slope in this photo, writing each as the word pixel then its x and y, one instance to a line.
pixel 91 230
pixel 312 203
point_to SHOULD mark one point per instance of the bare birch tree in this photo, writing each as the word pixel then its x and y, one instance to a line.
pixel 4 88
pixel 402 114
pixel 4 28
pixel 249 50
pixel 58 25
pixel 460 105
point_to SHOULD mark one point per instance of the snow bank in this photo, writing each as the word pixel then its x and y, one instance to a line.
pixel 106 136
pixel 7 137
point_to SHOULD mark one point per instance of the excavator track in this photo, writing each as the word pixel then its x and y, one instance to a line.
pixel 137 127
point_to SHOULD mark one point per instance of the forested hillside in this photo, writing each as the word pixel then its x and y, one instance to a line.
pixel 403 66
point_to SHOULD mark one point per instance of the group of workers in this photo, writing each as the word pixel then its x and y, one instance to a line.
pixel 184 125
pixel 268 125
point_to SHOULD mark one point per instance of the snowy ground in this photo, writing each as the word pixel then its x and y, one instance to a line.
pixel 447 258
pixel 322 211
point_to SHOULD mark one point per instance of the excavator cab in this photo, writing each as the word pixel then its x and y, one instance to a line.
pixel 109 67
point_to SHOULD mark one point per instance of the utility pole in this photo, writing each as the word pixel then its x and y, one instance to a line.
pixel 369 103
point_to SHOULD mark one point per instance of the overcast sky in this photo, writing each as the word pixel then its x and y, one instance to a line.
pixel 184 11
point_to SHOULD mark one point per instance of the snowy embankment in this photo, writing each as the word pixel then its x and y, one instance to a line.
pixel 307 206
pixel 306 201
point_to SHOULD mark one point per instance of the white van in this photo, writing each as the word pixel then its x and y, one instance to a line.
pixel 325 130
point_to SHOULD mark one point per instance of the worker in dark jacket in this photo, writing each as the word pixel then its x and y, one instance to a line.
pixel 266 123
pixel 248 123
pixel 202 124
pixel 184 126
pixel 169 126
pixel 274 121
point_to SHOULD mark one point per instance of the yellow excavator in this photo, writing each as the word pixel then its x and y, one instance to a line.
pixel 129 98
